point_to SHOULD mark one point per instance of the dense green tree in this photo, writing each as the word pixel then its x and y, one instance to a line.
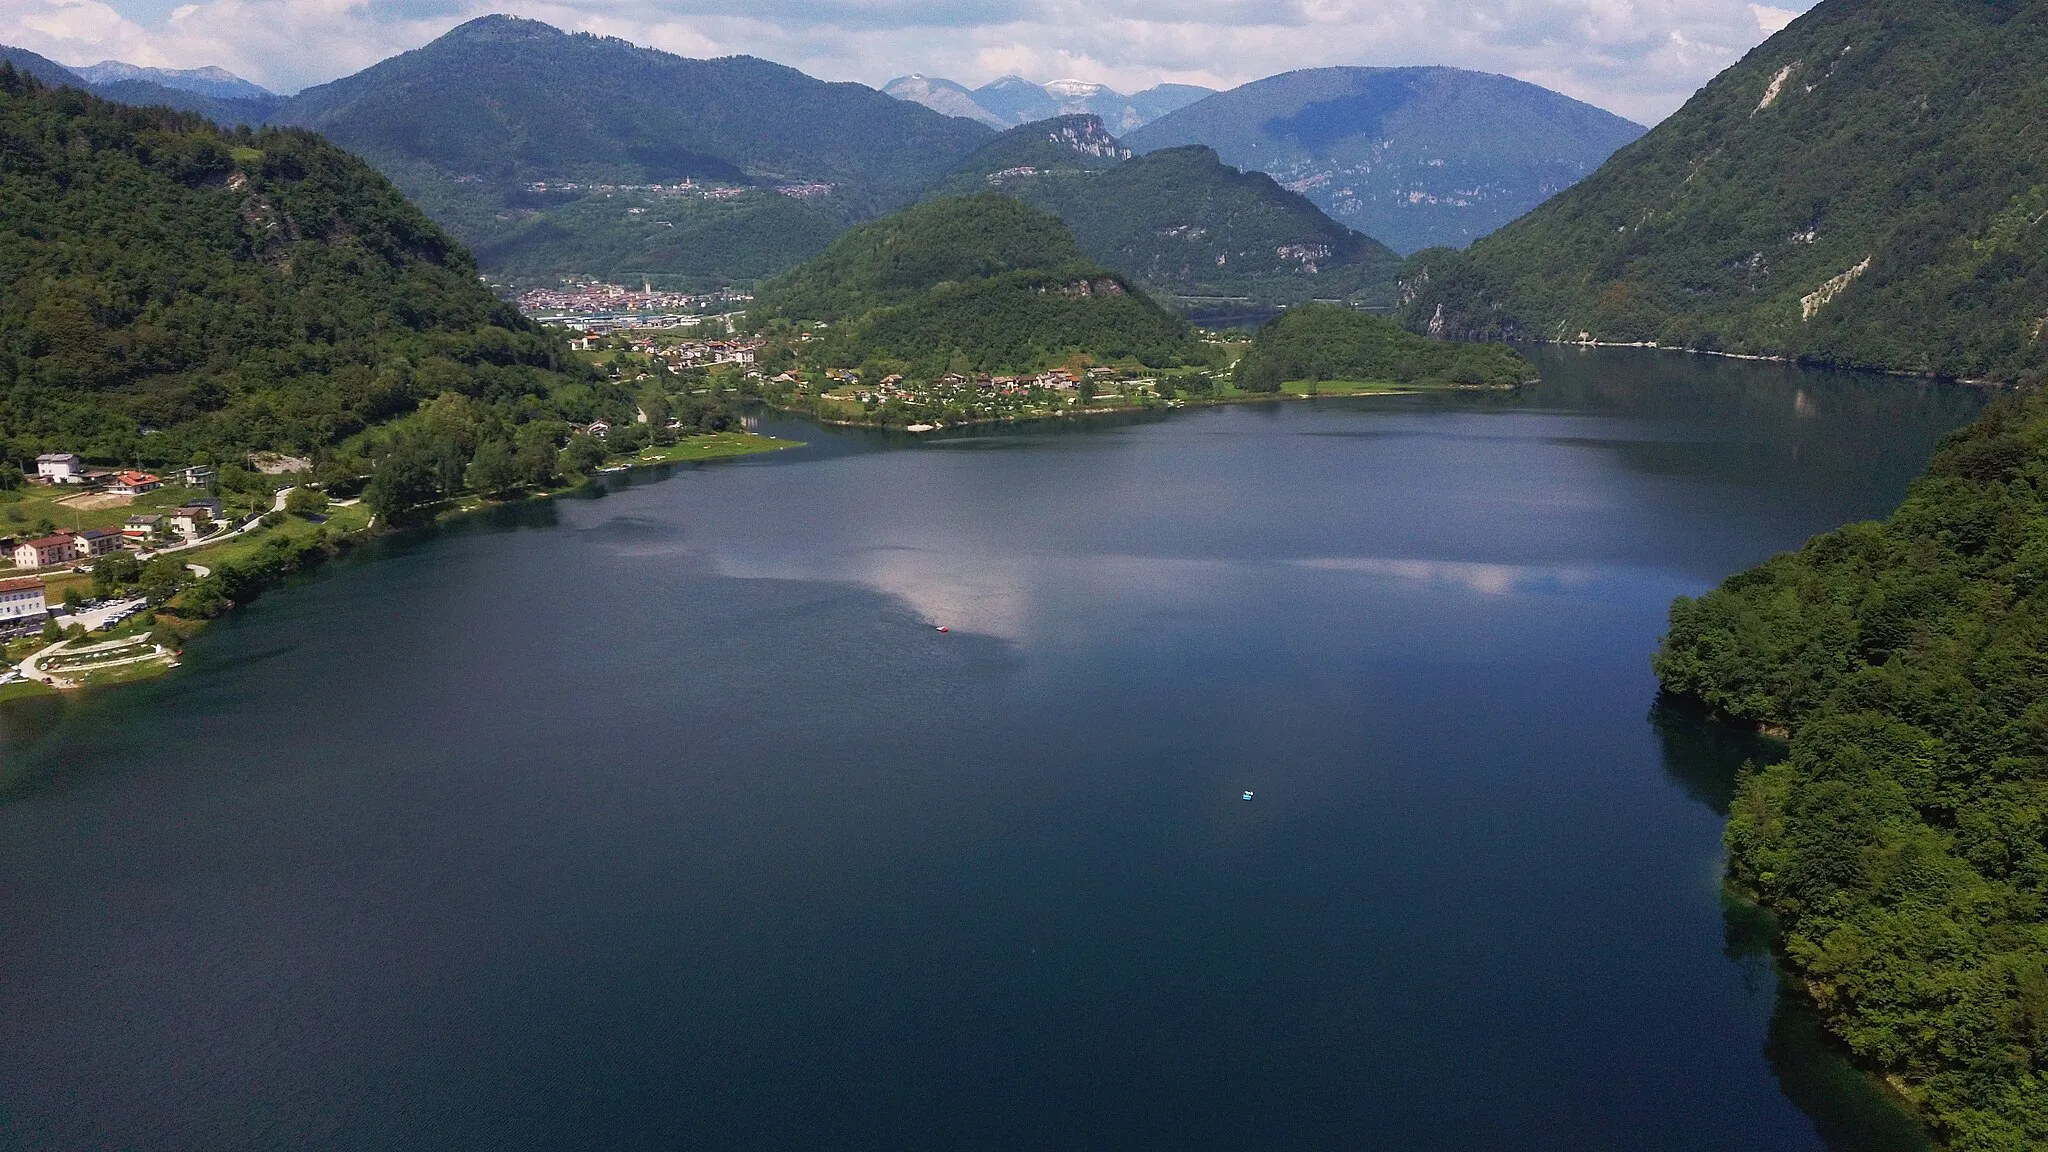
pixel 305 500
pixel 408 477
pixel 1904 841
pixel 493 468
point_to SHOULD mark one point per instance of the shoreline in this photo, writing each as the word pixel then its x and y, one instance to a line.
pixel 1175 405
pixel 298 551
pixel 1789 361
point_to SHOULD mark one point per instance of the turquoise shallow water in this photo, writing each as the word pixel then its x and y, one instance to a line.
pixel 667 818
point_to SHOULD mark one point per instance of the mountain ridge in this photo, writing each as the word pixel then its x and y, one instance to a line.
pixel 1864 189
pixel 1414 157
pixel 1012 101
pixel 211 80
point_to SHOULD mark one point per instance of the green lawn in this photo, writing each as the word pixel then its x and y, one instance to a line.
pixel 21 689
pixel 1348 388
pixel 716 446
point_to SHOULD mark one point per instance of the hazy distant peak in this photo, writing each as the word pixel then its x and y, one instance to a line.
pixel 216 82
pixel 1009 101
pixel 942 96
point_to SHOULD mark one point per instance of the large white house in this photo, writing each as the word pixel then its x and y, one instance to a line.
pixel 60 468
pixel 21 602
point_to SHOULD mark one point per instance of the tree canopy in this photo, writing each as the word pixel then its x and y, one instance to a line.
pixel 1904 842
pixel 985 277
pixel 1330 342
pixel 174 288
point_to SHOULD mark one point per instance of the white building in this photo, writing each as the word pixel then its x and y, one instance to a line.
pixel 21 602
pixel 60 468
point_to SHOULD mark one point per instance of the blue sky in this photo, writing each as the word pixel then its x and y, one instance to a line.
pixel 1640 58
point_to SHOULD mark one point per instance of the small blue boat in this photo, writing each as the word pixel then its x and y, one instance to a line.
pixel 1247 794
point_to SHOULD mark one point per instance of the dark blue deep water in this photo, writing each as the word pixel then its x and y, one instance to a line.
pixel 667 818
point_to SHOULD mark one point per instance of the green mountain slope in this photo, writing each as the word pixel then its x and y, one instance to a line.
pixel 228 111
pixel 1180 221
pixel 172 287
pixel 41 67
pixel 983 278
pixel 470 123
pixel 1904 842
pixel 1869 188
pixel 1414 157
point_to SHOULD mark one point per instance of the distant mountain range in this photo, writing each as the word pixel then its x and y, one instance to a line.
pixel 1869 187
pixel 218 83
pixel 1013 100
pixel 554 154
pixel 215 93
pixel 1414 157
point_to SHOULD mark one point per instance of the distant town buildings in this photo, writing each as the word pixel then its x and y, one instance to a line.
pixel 600 307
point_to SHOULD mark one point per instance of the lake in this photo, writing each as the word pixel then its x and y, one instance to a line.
pixel 668 817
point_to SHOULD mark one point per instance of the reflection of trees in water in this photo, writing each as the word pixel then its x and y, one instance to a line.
pixel 27 728
pixel 1702 756
pixel 1849 1109
pixel 1763 419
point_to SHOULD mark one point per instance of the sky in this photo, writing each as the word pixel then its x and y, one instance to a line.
pixel 1640 58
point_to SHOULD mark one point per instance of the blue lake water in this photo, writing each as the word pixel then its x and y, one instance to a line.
pixel 667 818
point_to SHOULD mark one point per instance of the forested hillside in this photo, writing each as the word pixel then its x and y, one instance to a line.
pixel 984 279
pixel 174 288
pixel 475 123
pixel 1180 221
pixel 1412 157
pixel 1869 188
pixel 1904 842
pixel 1322 342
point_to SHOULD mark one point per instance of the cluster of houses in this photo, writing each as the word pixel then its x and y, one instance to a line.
pixel 188 523
pixel 65 468
pixel 894 387
pixel 705 353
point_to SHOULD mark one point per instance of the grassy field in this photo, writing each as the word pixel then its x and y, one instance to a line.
pixel 1348 388
pixel 353 518
pixel 716 446
pixel 21 689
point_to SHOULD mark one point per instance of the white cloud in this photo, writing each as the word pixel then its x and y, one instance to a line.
pixel 1641 58
pixel 1772 20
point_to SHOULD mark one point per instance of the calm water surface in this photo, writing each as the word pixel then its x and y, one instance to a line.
pixel 668 819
